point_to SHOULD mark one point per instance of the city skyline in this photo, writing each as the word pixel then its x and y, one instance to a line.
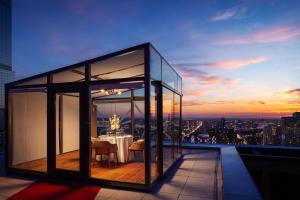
pixel 237 58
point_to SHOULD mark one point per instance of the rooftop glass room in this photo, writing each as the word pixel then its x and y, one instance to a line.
pixel 113 120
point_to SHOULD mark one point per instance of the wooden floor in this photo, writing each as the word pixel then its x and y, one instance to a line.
pixel 130 172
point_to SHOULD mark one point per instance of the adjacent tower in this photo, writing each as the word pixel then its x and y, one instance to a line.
pixel 6 73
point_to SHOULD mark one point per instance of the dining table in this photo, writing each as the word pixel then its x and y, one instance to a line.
pixel 122 141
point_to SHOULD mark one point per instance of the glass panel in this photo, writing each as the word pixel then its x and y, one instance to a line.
pixel 118 132
pixel 153 136
pixel 36 81
pixel 71 75
pixel 155 65
pixel 177 133
pixel 127 65
pixel 169 76
pixel 179 87
pixel 168 128
pixel 67 131
pixel 28 129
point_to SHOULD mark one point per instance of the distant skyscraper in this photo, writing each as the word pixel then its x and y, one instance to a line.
pixel 222 123
pixel 290 129
pixel 296 115
pixel 6 73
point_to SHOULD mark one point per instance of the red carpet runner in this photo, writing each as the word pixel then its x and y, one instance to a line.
pixel 56 191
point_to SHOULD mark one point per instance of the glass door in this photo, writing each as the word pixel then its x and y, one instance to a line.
pixel 65 128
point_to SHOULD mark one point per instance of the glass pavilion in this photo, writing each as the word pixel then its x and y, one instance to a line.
pixel 113 120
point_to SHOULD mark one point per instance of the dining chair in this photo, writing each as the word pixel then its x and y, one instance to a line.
pixel 105 148
pixel 138 146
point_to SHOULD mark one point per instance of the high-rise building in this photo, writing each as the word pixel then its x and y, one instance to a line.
pixel 6 73
pixel 222 123
pixel 290 129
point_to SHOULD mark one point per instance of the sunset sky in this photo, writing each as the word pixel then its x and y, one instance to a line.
pixel 237 58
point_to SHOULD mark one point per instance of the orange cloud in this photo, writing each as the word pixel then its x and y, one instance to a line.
pixel 274 34
pixel 198 103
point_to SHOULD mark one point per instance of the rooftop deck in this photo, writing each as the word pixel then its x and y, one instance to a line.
pixel 193 178
pixel 205 172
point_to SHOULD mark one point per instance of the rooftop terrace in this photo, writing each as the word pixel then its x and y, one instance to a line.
pixel 203 173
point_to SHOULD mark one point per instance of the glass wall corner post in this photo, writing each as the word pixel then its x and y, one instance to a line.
pixel 85 121
pixel 180 125
pixel 160 128
pixel 84 110
pixel 147 118
pixel 7 144
pixel 50 127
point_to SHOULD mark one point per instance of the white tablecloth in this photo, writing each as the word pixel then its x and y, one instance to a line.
pixel 123 142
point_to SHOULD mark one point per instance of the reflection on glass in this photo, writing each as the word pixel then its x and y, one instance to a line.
pixel 179 87
pixel 177 134
pixel 67 131
pixel 28 129
pixel 128 65
pixel 36 81
pixel 153 136
pixel 117 132
pixel 155 64
pixel 171 125
pixel 169 76
pixel 71 75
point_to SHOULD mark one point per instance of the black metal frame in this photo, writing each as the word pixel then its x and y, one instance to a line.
pixel 83 88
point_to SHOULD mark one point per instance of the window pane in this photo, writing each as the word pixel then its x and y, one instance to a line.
pixel 179 87
pixel 177 133
pixel 67 131
pixel 127 65
pixel 168 129
pixel 28 129
pixel 155 65
pixel 169 76
pixel 154 140
pixel 118 122
pixel 71 75
pixel 37 81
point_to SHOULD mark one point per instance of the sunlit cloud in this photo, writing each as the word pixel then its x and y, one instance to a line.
pixel 205 78
pixel 270 35
pixel 294 92
pixel 257 102
pixel 231 13
pixel 226 64
pixel 193 103
pixel 224 102
pixel 197 92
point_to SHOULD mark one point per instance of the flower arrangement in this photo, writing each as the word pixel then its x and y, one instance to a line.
pixel 114 122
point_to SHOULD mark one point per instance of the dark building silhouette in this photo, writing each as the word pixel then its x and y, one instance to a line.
pixel 6 73
pixel 290 129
